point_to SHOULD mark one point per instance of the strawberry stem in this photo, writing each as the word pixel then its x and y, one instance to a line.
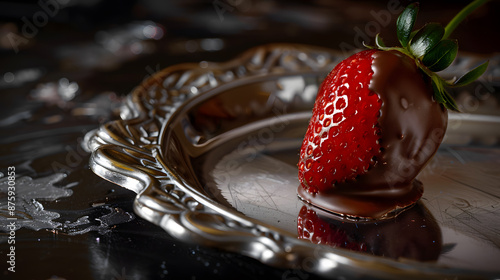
pixel 461 16
pixel 432 50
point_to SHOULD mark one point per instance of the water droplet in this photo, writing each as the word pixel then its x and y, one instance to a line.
pixel 404 103
pixel 9 77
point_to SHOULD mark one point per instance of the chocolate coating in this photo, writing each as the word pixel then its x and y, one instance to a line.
pixel 412 126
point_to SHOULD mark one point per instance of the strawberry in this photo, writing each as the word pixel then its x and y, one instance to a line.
pixel 312 227
pixel 380 115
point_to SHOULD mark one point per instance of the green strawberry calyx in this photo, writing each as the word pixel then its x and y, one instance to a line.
pixel 432 51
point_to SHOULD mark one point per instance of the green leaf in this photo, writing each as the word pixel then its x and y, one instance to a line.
pixel 441 95
pixel 450 102
pixel 426 38
pixel 471 75
pixel 441 56
pixel 405 23
pixel 437 92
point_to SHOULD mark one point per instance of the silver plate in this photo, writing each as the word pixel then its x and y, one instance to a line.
pixel 211 151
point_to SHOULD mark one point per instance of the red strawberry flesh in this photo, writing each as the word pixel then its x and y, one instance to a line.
pixel 342 138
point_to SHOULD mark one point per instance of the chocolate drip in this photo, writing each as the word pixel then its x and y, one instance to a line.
pixel 412 126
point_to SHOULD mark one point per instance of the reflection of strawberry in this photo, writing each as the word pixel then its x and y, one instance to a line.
pixel 414 234
pixel 313 228
pixel 379 108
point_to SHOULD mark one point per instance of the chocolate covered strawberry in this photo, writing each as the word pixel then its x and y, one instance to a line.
pixel 379 117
